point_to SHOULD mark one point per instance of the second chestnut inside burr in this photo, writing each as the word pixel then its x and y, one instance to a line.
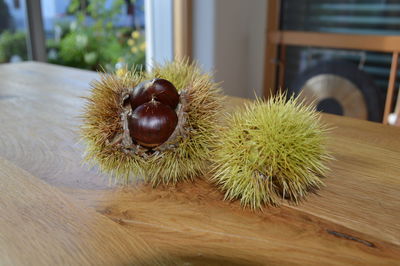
pixel 153 118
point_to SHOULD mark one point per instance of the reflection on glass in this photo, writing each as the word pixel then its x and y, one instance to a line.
pixel 341 16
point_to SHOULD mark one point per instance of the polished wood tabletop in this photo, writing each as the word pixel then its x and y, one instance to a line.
pixel 55 210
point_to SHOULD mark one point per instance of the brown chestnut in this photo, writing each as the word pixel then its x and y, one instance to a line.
pixel 158 89
pixel 152 123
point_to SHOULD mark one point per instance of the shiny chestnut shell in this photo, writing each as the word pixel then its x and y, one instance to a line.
pixel 152 123
pixel 158 89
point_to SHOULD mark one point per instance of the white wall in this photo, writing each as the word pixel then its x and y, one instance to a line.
pixel 204 33
pixel 229 38
pixel 159 31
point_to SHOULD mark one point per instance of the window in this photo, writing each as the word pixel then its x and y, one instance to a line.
pixel 13 33
pixel 88 34
pixel 95 34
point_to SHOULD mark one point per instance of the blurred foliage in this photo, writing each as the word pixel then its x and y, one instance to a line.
pixel 12 44
pixel 92 41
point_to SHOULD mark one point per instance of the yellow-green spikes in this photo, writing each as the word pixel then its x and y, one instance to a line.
pixel 270 151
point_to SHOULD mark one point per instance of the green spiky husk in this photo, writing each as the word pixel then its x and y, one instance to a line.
pixel 101 122
pixel 270 151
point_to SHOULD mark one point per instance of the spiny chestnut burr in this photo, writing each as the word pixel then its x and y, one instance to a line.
pixel 270 151
pixel 152 123
pixel 159 89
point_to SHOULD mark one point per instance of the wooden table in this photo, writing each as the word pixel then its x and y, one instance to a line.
pixel 54 210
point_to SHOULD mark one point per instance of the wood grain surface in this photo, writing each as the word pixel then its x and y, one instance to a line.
pixel 354 219
pixel 41 226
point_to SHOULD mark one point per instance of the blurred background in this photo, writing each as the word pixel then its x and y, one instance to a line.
pixel 85 34
pixel 339 55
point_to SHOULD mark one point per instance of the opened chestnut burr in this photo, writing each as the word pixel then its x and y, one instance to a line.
pixel 159 89
pixel 124 146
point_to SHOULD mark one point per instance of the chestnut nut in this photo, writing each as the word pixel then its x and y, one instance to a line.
pixel 159 89
pixel 153 118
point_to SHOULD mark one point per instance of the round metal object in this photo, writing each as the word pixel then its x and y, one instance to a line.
pixel 334 94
